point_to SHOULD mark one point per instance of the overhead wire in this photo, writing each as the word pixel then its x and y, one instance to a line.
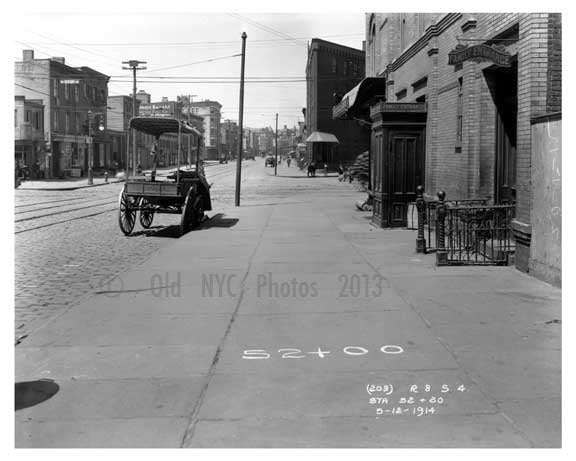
pixel 231 42
pixel 191 63
pixel 268 29
pixel 279 81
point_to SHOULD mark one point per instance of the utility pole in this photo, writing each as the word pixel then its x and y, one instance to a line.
pixel 276 147
pixel 91 144
pixel 190 96
pixel 241 121
pixel 90 149
pixel 133 65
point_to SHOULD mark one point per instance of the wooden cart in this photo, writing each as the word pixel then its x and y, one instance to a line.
pixel 184 192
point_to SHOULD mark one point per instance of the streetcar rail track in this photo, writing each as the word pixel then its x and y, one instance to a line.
pixel 48 202
pixel 59 206
pixel 65 221
pixel 215 174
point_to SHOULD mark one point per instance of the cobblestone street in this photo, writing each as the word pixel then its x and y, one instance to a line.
pixel 68 243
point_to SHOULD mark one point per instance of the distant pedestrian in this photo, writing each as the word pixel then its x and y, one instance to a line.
pixel 17 178
pixel 288 162
pixel 325 169
pixel 311 169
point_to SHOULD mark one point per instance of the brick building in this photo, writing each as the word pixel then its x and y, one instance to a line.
pixel 119 113
pixel 68 95
pixel 29 134
pixel 210 111
pixel 466 95
pixel 331 71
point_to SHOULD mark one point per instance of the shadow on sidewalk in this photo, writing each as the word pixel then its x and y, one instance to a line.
pixel 218 220
pixel 173 230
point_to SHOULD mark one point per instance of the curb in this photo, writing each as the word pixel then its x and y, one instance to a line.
pixel 69 188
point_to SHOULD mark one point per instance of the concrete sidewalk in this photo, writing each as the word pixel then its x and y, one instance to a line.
pixel 299 326
pixel 66 184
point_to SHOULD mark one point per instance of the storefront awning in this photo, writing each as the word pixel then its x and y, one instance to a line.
pixel 318 136
pixel 356 99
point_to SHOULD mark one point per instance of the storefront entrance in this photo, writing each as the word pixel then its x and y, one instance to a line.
pixel 504 89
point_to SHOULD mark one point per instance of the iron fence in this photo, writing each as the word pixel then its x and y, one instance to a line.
pixel 426 218
pixel 474 234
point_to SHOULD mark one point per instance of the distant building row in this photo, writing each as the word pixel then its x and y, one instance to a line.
pixel 60 110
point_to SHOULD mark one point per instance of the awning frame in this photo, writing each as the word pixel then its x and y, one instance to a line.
pixel 355 102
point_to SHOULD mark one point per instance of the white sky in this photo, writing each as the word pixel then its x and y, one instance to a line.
pixel 103 33
pixel 104 40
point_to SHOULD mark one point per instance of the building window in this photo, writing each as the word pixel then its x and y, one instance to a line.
pixel 27 117
pixel 334 65
pixel 459 114
pixel 401 94
pixel 67 123
pixel 76 93
pixel 419 84
pixel 37 120
pixel 67 91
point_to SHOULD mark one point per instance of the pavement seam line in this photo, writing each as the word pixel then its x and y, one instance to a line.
pixel 193 420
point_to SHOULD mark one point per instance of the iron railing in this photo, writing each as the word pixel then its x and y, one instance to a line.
pixel 426 218
pixel 473 234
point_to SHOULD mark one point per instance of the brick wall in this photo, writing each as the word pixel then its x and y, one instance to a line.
pixel 323 83
pixel 468 170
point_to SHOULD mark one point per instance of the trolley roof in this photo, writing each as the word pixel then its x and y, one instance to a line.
pixel 157 126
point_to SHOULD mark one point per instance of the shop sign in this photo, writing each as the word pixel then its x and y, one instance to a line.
pixel 495 53
pixel 402 107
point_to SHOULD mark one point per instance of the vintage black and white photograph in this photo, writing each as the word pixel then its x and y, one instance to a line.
pixel 252 228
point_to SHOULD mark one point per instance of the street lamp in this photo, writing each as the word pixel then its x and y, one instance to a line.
pixel 91 143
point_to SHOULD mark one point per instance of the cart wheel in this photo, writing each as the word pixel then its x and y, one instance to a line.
pixel 146 217
pixel 126 215
pixel 187 212
pixel 198 211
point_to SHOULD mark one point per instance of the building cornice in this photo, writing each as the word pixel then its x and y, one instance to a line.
pixel 433 31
